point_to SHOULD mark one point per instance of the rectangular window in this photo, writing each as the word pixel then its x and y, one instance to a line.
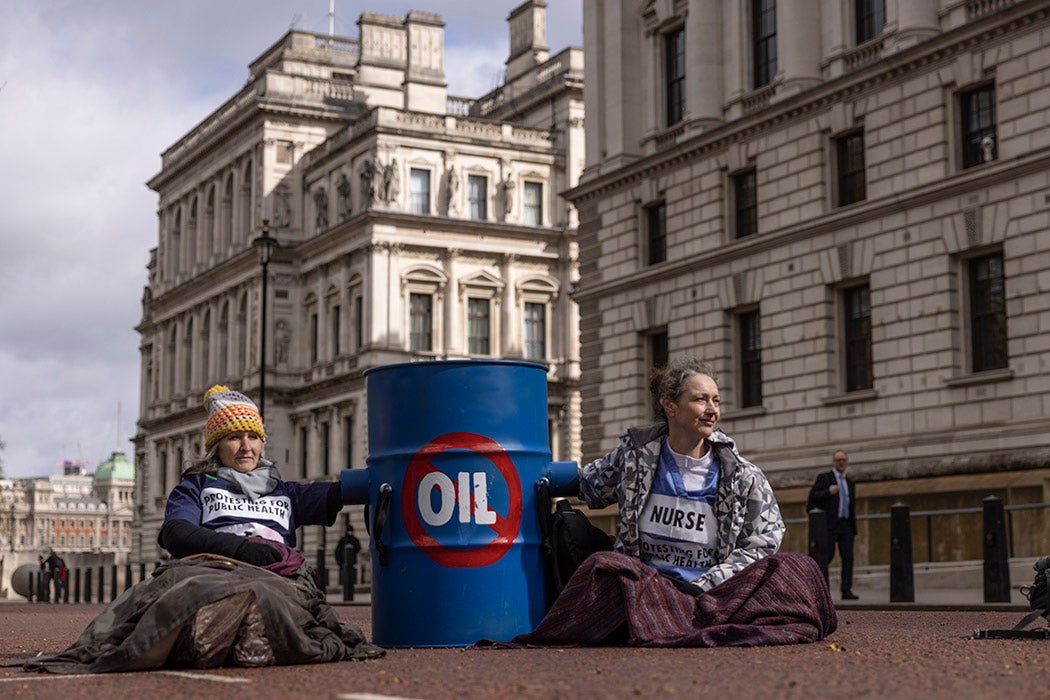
pixel 533 204
pixel 477 193
pixel 750 359
pixel 745 199
pixel 314 338
pixel 659 349
pixel 421 322
pixel 656 232
pixel 535 331
pixel 478 326
pixel 337 330
pixel 419 191
pixel 988 313
pixel 856 305
pixel 674 75
pixel 163 473
pixel 359 323
pixel 348 442
pixel 849 162
pixel 764 41
pixel 326 446
pixel 870 16
pixel 978 126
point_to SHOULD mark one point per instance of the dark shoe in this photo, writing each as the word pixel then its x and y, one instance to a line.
pixel 849 595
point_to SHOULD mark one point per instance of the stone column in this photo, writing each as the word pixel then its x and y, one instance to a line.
pixel 704 91
pixel 915 20
pixel 798 50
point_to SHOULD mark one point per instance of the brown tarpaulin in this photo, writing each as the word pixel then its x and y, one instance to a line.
pixel 208 611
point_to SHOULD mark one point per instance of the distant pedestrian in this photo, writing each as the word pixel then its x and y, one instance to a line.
pixel 56 570
pixel 835 494
pixel 349 573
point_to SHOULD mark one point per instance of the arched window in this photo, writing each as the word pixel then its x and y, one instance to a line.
pixel 243 360
pixel 208 231
pixel 226 222
pixel 192 231
pixel 187 357
pixel 223 332
pixel 169 363
pixel 204 348
pixel 175 247
pixel 245 213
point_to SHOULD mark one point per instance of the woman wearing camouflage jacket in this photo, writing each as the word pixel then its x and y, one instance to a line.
pixel 687 441
pixel 694 562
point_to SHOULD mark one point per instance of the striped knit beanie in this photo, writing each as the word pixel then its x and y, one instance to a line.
pixel 229 411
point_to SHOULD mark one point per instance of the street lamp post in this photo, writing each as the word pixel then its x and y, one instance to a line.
pixel 265 245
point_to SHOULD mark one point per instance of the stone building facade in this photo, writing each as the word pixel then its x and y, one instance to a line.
pixel 845 208
pixel 412 226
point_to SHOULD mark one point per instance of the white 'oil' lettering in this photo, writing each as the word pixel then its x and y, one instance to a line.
pixel 451 496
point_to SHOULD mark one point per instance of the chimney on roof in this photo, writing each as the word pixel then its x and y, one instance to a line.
pixel 528 38
pixel 425 87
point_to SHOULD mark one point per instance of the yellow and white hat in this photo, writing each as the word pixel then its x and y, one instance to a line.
pixel 229 411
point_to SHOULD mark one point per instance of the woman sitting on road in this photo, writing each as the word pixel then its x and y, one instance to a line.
pixel 694 560
pixel 233 502
pixel 236 593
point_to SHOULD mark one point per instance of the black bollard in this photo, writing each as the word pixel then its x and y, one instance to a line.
pixel 113 583
pixel 818 539
pixel 87 584
pixel 996 562
pixel 142 571
pixel 76 586
pixel 101 584
pixel 33 586
pixel 65 588
pixel 902 571
pixel 322 570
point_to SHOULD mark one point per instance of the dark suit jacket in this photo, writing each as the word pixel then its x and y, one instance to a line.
pixel 820 496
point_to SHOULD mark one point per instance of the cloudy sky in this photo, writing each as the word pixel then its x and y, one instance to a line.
pixel 91 92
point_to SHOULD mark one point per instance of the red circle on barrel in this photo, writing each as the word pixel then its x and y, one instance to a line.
pixel 505 528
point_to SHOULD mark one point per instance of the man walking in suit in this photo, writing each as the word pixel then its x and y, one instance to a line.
pixel 835 494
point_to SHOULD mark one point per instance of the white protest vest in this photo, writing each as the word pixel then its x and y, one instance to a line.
pixel 679 533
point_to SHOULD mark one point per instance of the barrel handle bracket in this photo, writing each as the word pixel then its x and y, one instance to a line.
pixel 381 515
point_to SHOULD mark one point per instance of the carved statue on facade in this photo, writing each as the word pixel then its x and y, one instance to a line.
pixel 282 341
pixel 506 198
pixel 452 190
pixel 282 207
pixel 391 181
pixel 345 206
pixel 368 187
pixel 321 204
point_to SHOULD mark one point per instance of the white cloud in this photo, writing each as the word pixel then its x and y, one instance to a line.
pixel 92 93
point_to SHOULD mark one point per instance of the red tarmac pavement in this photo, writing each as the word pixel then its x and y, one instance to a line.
pixel 895 653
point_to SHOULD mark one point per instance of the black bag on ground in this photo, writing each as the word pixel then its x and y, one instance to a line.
pixel 1038 595
pixel 568 537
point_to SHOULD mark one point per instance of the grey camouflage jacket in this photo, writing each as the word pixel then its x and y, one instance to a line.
pixel 750 526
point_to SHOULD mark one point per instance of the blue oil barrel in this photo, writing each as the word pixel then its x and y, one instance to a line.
pixel 455 450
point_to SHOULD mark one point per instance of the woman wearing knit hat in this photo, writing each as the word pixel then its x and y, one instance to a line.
pixel 231 517
pixel 233 502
